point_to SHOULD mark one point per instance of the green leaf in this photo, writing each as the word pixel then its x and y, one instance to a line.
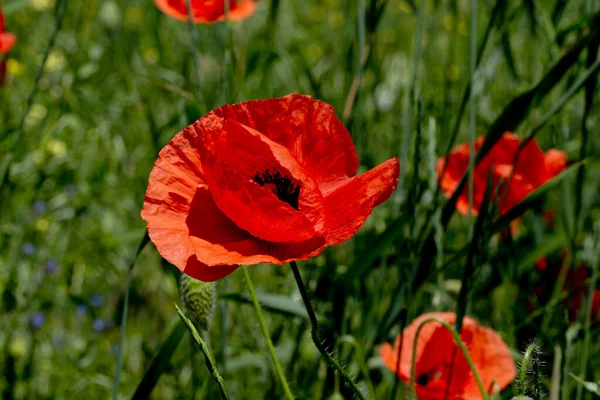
pixel 160 362
pixel 593 387
pixel 504 221
pixel 275 303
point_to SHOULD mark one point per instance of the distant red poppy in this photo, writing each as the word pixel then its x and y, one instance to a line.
pixel 207 11
pixel 532 170
pixel 266 181
pixel 577 284
pixel 7 39
pixel 435 349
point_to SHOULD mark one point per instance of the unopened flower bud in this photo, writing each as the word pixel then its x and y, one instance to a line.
pixel 199 299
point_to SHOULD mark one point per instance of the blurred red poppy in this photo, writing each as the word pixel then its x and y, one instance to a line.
pixel 578 286
pixel 266 181
pixel 207 11
pixel 435 349
pixel 532 170
pixel 7 39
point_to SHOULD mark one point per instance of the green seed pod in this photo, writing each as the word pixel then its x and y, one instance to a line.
pixel 199 300
pixel 521 397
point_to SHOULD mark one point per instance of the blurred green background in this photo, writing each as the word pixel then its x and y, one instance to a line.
pixel 119 83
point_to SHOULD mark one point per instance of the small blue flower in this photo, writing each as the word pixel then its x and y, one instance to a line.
pixel 97 300
pixel 37 320
pixel 27 249
pixel 81 310
pixel 39 206
pixel 50 266
pixel 99 325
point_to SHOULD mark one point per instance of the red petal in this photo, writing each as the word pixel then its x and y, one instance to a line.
pixel 349 204
pixel 492 358
pixel 203 272
pixel 308 128
pixel 7 41
pixel 556 161
pixel 234 156
pixel 172 184
pixel 216 240
pixel 204 13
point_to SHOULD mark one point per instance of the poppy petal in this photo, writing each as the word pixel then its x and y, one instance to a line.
pixel 234 160
pixel 203 272
pixel 172 184
pixel 556 161
pixel 308 128
pixel 203 13
pixel 230 245
pixel 243 10
pixel 7 41
pixel 493 360
pixel 349 204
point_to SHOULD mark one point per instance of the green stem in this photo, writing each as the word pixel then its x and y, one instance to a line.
pixel 208 358
pixel 587 336
pixel 195 57
pixel 460 344
pixel 314 332
pixel 265 332
pixel 143 243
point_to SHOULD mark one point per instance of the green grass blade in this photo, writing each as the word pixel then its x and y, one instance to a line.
pixel 115 393
pixel 275 303
pixel 208 358
pixel 160 362
pixel 592 387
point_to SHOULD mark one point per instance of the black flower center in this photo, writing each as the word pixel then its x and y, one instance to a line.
pixel 423 379
pixel 280 185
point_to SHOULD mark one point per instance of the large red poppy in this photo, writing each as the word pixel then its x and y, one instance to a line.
pixel 266 181
pixel 434 352
pixel 7 39
pixel 533 168
pixel 207 11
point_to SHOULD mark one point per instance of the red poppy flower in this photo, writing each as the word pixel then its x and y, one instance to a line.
pixel 435 349
pixel 7 39
pixel 577 284
pixel 532 170
pixel 266 181
pixel 207 11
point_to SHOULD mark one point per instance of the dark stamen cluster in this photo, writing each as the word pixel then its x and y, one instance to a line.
pixel 284 189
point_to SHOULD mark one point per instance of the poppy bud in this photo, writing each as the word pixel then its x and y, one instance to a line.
pixel 198 299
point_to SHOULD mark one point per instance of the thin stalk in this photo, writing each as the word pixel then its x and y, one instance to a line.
pixel 314 332
pixel 208 358
pixel 588 314
pixel 472 112
pixel 229 59
pixel 143 243
pixel 410 97
pixel 460 344
pixel 265 332
pixel 195 57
